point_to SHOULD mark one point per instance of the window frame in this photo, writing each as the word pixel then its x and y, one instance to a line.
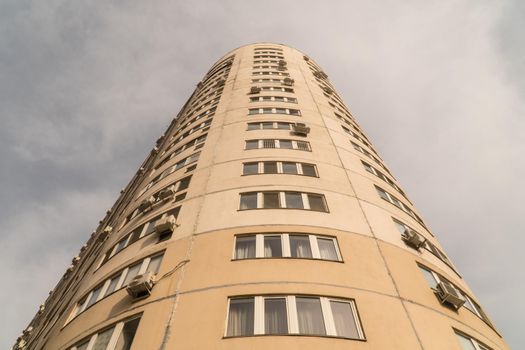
pixel 285 246
pixel 305 200
pixel 292 316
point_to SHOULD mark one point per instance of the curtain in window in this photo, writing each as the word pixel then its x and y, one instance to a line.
pixel 241 317
pixel 300 246
pixel 245 247
pixel 327 249
pixel 272 246
pixel 344 319
pixel 103 339
pixel 275 319
pixel 126 336
pixel 310 316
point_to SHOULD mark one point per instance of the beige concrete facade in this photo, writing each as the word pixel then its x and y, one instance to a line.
pixel 375 273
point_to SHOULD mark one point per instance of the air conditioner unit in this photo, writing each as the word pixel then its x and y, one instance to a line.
pixel 167 193
pixel 413 239
pixel 306 58
pixel 140 287
pixel 300 129
pixel 320 75
pixel 288 81
pixel 75 260
pixel 447 293
pixel 255 90
pixel 105 233
pixel 282 62
pixel 221 82
pixel 166 224
pixel 146 204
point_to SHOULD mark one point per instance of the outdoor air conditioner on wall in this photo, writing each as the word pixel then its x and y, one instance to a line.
pixel 146 204
pixel 413 239
pixel 255 90
pixel 105 233
pixel 167 224
pixel 167 193
pixel 300 129
pixel 288 81
pixel 140 287
pixel 447 293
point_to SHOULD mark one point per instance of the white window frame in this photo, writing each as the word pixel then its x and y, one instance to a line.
pixel 112 343
pixel 285 245
pixel 292 317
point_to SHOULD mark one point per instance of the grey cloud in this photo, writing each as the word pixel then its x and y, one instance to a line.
pixel 86 88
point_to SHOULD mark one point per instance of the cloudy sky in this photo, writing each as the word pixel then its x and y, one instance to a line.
pixel 87 87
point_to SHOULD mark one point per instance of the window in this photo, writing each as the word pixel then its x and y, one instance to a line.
pixel 269 125
pixel 278 167
pixel 273 99
pixel 137 233
pixel 383 177
pixel 286 199
pixel 118 337
pixel 286 245
pixel 433 279
pixel 117 281
pixel 393 200
pixel 290 314
pixel 248 200
pixel 250 168
pixel 245 247
pixel 240 317
pixel 469 343
pixel 273 143
pixel 274 110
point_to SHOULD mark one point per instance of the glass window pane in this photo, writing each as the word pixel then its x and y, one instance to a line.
pixel 253 126
pixel 289 168
pixel 94 296
pixel 466 343
pixel 382 194
pixel 154 264
pixel 135 235
pixel 285 144
pixel 83 346
pixel 345 324
pixel 270 167
pixel 120 245
pixel 300 246
pixel 309 170
pixel 429 277
pixel 316 202
pixel 241 317
pixel 113 284
pixel 275 318
pixel 284 126
pixel 252 144
pixel 249 200
pixel 250 168
pixel 245 247
pixel 327 249
pixel 294 200
pixel 267 125
pixel 103 339
pixel 272 246
pixel 126 336
pixel 132 272
pixel 271 200
pixel 400 227
pixel 310 316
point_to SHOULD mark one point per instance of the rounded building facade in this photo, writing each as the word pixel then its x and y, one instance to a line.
pixel 263 218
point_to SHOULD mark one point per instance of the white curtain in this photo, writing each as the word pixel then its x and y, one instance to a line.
pixel 344 319
pixel 272 246
pixel 310 316
pixel 275 319
pixel 245 247
pixel 300 246
pixel 241 317
pixel 327 249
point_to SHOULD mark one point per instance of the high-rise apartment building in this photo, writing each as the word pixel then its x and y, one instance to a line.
pixel 262 219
